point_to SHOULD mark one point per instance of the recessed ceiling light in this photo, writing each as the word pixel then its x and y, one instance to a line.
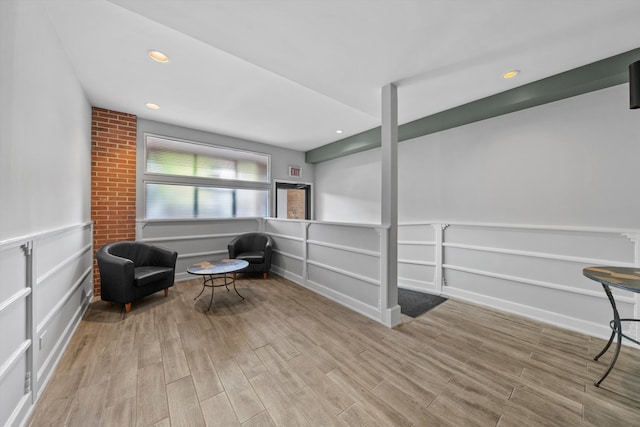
pixel 152 106
pixel 339 131
pixel 158 56
pixel 510 74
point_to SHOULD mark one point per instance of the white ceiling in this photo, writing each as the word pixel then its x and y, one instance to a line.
pixel 291 72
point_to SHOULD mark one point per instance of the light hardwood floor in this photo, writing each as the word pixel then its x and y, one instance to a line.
pixel 286 356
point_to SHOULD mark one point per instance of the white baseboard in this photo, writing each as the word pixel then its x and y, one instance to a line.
pixel 23 411
pixel 418 286
pixel 184 276
pixel 345 300
pixel 296 278
pixel 391 317
pixel 49 365
pixel 555 319
pixel 351 303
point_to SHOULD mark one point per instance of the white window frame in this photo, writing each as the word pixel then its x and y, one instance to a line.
pixel 160 178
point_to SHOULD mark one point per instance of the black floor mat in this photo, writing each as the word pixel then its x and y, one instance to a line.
pixel 414 303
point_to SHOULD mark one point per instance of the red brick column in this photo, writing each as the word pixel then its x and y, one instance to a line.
pixel 113 179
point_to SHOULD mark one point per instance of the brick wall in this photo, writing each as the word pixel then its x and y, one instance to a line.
pixel 113 179
pixel 296 200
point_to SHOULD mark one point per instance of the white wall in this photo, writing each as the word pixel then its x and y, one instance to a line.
pixel 508 211
pixel 45 181
pixel 348 189
pixel 45 127
pixel 572 162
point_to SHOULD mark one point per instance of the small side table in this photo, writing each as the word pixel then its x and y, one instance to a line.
pixel 224 270
pixel 626 278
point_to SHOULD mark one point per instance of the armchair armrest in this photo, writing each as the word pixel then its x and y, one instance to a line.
pixel 268 249
pixel 116 276
pixel 231 247
pixel 163 257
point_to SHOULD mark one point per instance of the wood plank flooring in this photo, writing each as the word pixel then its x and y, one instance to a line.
pixel 287 357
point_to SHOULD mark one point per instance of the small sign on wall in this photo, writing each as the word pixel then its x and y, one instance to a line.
pixel 295 171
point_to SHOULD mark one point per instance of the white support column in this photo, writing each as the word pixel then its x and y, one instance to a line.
pixel 633 328
pixel 305 251
pixel 140 225
pixel 390 310
pixel 438 230
pixel 30 381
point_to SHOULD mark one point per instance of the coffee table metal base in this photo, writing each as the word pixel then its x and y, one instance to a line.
pixel 628 279
pixel 616 330
pixel 224 270
pixel 209 282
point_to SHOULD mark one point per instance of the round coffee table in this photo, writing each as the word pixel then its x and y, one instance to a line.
pixel 224 270
pixel 627 278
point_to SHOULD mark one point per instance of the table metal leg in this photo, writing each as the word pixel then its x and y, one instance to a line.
pixel 234 286
pixel 212 289
pixel 606 347
pixel 616 328
pixel 227 280
pixel 204 285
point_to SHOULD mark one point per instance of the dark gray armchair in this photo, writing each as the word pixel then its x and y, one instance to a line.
pixel 256 249
pixel 132 270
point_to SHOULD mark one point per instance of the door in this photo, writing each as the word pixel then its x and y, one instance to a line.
pixel 293 201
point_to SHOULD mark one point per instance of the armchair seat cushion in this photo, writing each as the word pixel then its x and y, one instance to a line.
pixel 255 257
pixel 149 274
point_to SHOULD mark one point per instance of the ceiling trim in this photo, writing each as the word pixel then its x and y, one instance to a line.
pixel 587 78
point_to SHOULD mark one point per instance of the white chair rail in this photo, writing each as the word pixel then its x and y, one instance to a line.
pixel 531 270
pixel 47 284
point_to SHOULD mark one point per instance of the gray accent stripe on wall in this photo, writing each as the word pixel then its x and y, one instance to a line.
pixel 595 76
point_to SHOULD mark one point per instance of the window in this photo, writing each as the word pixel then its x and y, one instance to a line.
pixel 190 180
